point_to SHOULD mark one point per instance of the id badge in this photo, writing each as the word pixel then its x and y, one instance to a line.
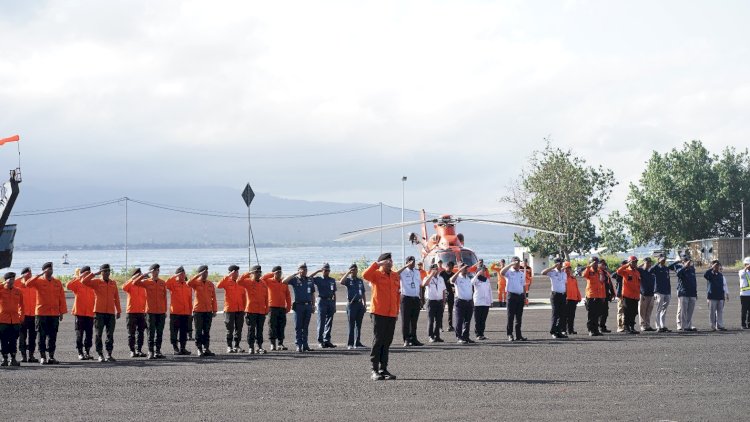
pixel 331 287
pixel 412 284
pixel 309 290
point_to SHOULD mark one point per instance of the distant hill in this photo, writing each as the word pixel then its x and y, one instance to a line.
pixel 153 227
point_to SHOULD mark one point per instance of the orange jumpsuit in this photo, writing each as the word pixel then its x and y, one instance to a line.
pixel 501 294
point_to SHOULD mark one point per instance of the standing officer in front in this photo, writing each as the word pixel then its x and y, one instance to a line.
pixel 83 313
pixel 279 304
pixel 27 336
pixel 11 316
pixel 50 308
pixel 410 302
pixel 596 294
pixel 631 292
pixel 356 304
pixel 385 302
pixel 180 308
pixel 234 308
pixel 135 314
pixel 687 294
pixel 516 288
pixel 558 298
pixel 156 309
pixel 204 309
pixel 256 297
pixel 106 309
pixel 663 293
pixel 435 296
pixel 304 295
pixel 326 287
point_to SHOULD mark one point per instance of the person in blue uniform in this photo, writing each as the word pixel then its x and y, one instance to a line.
pixel 304 295
pixel 356 303
pixel 326 304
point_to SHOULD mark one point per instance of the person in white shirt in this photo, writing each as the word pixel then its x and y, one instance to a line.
pixel 745 293
pixel 558 279
pixel 410 303
pixel 434 291
pixel 482 301
pixel 464 307
pixel 515 286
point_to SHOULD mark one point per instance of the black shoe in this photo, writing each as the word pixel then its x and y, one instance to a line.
pixel 721 329
pixel 604 330
pixel 648 329
pixel 387 375
pixel 329 345
pixel 159 355
pixel 101 358
pixel 231 349
pixel 439 340
pixel 25 359
pixel 88 355
pixel 510 338
pixel 470 341
pixel 300 349
pixel 151 355
pixel 307 349
pixel 133 354
pixel 461 341
pixel 32 359
pixel 451 329
pixel 208 352
pixel 358 344
pixel 417 343
pixel 431 340
pixel 81 356
pixel 282 347
pixel 52 361
pixel 13 361
pixel 185 352
pixel 522 339
pixel 375 376
pixel 110 358
pixel 322 346
pixel 407 344
pixel 594 333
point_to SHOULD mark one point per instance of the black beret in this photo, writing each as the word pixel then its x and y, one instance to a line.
pixel 104 267
pixel 558 260
pixel 25 270
pixel 384 256
pixel 353 267
pixel 276 269
pixel 326 266
pixel 302 265
pixel 10 275
pixel 85 268
pixel 255 269
pixel 233 268
pixel 202 268
pixel 179 270
pixel 136 271
pixel 154 267
pixel 46 265
pixel 410 258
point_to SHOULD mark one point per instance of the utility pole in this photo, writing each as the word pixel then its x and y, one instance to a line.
pixel 403 239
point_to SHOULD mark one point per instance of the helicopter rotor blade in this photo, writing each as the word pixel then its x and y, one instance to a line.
pixel 509 224
pixel 375 229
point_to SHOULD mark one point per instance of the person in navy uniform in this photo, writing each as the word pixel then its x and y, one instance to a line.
pixel 356 303
pixel 326 304
pixel 304 295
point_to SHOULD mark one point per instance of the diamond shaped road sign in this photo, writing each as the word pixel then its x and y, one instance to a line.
pixel 248 195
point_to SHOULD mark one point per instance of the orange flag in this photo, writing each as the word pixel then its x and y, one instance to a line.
pixel 13 138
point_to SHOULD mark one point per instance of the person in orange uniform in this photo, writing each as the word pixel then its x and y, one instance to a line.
pixel 27 336
pixel 135 314
pixel 204 309
pixel 529 277
pixel 573 296
pixel 83 314
pixel 596 294
pixel 180 308
pixel 256 296
pixel 631 292
pixel 384 309
pixel 156 309
pixel 279 304
pixel 234 308
pixel 501 293
pixel 422 275
pixel 50 308
pixel 106 309
pixel 11 317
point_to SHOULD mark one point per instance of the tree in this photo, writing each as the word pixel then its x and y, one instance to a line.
pixel 688 194
pixel 614 233
pixel 558 191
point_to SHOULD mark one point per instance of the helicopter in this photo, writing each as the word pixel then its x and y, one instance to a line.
pixel 445 245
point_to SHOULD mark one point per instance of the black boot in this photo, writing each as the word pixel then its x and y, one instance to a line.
pixel 13 361
pixel 23 356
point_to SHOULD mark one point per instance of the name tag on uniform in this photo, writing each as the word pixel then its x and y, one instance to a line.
pixel 331 287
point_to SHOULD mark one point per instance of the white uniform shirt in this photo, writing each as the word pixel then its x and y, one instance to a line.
pixel 435 288
pixel 410 282
pixel 482 291
pixel 463 288
pixel 558 279
pixel 516 281
pixel 744 283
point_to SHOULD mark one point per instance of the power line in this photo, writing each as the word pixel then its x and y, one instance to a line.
pixel 67 209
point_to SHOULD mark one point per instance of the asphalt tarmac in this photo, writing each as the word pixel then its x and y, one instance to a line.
pixel 671 376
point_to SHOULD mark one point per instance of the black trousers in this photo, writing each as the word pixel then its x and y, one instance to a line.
pixel 27 336
pixel 745 312
pixel 450 301
pixel 136 324
pixel 515 313
pixel 234 321
pixel 9 338
pixel 155 331
pixel 570 315
pixel 410 307
pixel 383 328
pixel 202 322
pixel 594 308
pixel 102 322
pixel 178 328
pixel 604 313
pixel 276 324
pixel 558 302
pixel 46 329
pixel 355 312
pixel 84 326
pixel 191 320
pixel 255 329
pixel 480 319
pixel 630 308
pixel 464 311
pixel 435 310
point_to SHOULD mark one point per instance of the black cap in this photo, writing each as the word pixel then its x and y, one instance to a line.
pixel 302 265
pixel 624 261
pixel 136 271
pixel 85 268
pixel 25 270
pixel 179 270
pixel 104 267
pixel 384 256
pixel 326 266
pixel 154 267
pixel 661 256
pixel 233 268
pixel 647 259
pixel 558 260
pixel 433 266
pixel 353 267
pixel 594 259
pixel 410 258
pixel 276 269
pixel 46 265
pixel 450 264
pixel 515 259
pixel 9 275
pixel 255 269
pixel 202 268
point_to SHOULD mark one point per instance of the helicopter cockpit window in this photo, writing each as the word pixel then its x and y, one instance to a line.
pixel 468 258
pixel 446 257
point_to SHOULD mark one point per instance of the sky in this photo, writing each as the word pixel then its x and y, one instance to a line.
pixel 337 100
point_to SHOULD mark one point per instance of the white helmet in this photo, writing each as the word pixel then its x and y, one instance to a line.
pixel 746 261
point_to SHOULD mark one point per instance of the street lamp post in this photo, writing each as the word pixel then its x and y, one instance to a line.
pixel 403 238
pixel 742 206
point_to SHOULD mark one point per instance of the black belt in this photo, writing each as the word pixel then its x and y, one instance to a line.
pixel 558 293
pixel 325 298
pixel 516 294
pixel 465 300
pixel 301 303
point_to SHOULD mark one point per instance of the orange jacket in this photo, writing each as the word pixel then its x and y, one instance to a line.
pixel 11 305
pixel 181 296
pixel 234 295
pixel 156 295
pixel 595 288
pixel 256 294
pixel 106 292
pixel 136 296
pixel 205 295
pixel 631 282
pixel 29 296
pixel 83 305
pixel 278 293
pixel 529 277
pixel 386 291
pixel 571 289
pixel 50 296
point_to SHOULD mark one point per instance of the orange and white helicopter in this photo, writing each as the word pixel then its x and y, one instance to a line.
pixel 445 245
